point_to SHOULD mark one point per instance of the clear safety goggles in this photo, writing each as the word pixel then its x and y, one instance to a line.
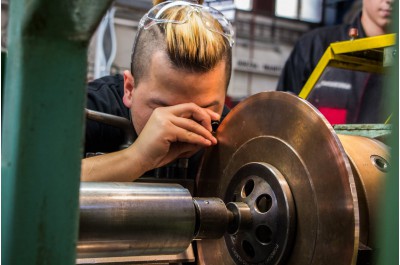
pixel 159 13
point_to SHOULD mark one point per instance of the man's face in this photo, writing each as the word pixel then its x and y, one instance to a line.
pixel 379 11
pixel 165 86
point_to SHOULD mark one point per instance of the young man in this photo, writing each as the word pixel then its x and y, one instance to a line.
pixel 340 90
pixel 181 65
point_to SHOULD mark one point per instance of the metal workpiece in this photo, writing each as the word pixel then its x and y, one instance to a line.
pixel 265 215
pixel 126 219
pixel 137 219
pixel 241 217
pixel 278 154
pixel 212 218
pixel 370 163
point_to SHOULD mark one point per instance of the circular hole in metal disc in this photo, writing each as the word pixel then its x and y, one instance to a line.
pixel 380 163
pixel 248 249
pixel 248 188
pixel 264 234
pixel 263 203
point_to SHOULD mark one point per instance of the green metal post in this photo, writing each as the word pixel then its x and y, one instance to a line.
pixel 389 226
pixel 3 72
pixel 43 124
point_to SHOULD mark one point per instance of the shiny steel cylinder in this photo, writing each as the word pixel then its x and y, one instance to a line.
pixel 212 218
pixel 130 219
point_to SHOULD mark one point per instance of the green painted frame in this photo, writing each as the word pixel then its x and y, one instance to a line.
pixel 43 123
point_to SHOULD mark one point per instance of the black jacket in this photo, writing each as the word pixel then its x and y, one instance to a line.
pixel 309 50
pixel 105 95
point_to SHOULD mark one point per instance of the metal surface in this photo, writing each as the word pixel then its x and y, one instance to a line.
pixel 369 161
pixel 126 219
pixel 212 218
pixel 130 223
pixel 291 135
pixel 186 256
pixel 380 132
pixel 267 238
pixel 42 130
pixel 241 217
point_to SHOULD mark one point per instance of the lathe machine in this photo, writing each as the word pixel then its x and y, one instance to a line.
pixel 281 187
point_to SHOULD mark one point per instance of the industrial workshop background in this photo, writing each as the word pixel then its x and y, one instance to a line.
pixel 49 49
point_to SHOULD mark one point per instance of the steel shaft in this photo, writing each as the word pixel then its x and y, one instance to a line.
pixel 132 219
pixel 125 219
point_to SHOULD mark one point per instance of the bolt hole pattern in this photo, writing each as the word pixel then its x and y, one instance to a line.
pixel 264 203
pixel 248 249
pixel 248 188
pixel 264 234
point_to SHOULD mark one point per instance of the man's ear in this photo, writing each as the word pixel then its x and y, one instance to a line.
pixel 128 88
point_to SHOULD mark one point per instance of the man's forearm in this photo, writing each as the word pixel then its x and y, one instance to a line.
pixel 122 166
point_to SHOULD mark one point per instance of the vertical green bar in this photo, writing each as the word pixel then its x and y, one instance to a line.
pixel 389 225
pixel 43 122
pixel 3 72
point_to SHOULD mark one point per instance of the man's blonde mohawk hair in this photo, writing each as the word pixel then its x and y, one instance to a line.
pixel 194 45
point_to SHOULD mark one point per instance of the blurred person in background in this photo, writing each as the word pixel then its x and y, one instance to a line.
pixel 342 96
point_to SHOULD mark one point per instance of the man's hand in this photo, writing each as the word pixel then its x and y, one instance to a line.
pixel 174 132
pixel 170 133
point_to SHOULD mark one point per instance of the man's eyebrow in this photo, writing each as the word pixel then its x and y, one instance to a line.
pixel 214 103
pixel 159 102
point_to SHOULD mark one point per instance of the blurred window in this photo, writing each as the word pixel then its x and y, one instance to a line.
pixel 304 10
pixel 244 4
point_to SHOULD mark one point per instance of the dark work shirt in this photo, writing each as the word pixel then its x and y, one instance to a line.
pixel 105 95
pixel 308 51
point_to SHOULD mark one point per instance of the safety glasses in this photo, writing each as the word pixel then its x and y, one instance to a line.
pixel 160 14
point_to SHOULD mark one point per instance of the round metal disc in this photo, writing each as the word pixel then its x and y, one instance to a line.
pixel 289 134
pixel 267 237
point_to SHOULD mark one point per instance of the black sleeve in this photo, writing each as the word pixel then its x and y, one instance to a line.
pixel 306 55
pixel 105 95
pixel 292 76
